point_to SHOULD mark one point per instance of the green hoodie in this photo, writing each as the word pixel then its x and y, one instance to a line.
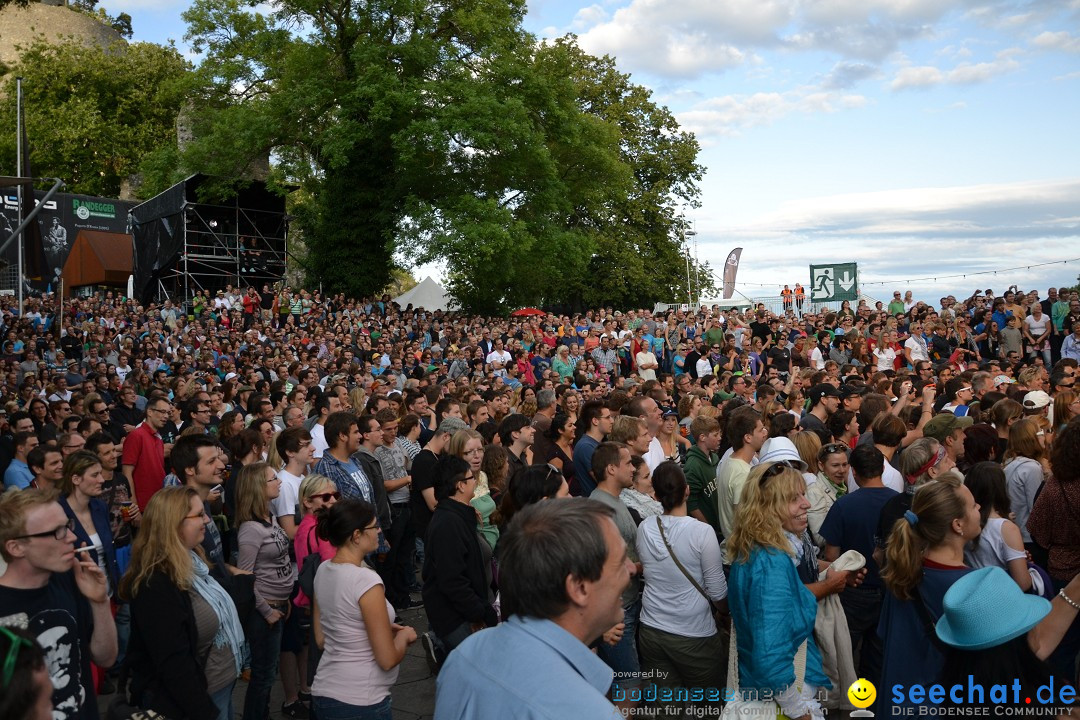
pixel 700 471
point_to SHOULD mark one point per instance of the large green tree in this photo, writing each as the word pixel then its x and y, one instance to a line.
pixel 443 131
pixel 93 113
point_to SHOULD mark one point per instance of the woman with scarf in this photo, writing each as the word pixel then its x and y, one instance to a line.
pixel 185 648
pixel 772 606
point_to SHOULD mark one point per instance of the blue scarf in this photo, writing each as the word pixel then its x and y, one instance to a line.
pixel 229 630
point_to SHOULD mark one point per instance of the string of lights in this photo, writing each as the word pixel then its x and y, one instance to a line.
pixel 935 278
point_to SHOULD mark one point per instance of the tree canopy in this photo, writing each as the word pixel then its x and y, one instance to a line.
pixel 438 131
pixel 93 113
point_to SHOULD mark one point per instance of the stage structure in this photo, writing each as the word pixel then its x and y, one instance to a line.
pixel 182 245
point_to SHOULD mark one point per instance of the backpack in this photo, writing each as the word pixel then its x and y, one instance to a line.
pixel 308 568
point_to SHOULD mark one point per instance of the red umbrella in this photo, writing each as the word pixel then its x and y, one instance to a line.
pixel 525 312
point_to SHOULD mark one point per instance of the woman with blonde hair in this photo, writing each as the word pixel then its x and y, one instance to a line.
pixel 317 493
pixel 772 609
pixel 468 445
pixel 264 551
pixel 1027 466
pixel 924 557
pixel 186 639
pixel 561 363
pixel 820 490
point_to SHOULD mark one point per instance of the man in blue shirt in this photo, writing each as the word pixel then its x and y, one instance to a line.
pixel 563 567
pixel 596 419
pixel 851 525
pixel 17 474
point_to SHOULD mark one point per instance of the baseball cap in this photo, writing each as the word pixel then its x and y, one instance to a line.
pixel 822 390
pixel 942 425
pixel 1036 400
pixel 847 391
pixel 451 425
pixel 1003 380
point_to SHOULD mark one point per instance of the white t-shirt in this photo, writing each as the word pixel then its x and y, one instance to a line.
pixel 885 357
pixel 646 358
pixel 318 440
pixel 289 496
pixel 1037 327
pixel 704 366
pixel 655 456
pixel 501 357
pixel 348 671
pixel 891 479
pixel 817 358
pixel 917 348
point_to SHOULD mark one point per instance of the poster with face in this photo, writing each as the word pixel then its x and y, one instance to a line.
pixel 60 221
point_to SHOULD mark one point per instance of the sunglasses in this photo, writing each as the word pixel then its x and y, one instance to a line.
pixel 326 496
pixel 775 469
pixel 834 448
pixel 17 643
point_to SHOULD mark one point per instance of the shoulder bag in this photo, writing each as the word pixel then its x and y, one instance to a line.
pixel 719 616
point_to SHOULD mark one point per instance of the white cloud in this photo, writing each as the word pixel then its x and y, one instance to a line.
pixel 913 233
pixel 730 114
pixel 586 17
pixel 963 74
pixel 1028 209
pixel 1062 40
pixel 651 35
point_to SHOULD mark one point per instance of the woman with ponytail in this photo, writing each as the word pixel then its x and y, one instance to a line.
pixel 924 557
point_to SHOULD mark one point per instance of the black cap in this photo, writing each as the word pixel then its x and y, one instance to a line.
pixel 822 390
pixel 847 391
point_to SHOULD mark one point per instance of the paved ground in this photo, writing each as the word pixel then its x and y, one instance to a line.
pixel 414 693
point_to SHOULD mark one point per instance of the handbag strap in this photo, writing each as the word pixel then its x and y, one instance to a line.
pixel 928 621
pixel 671 551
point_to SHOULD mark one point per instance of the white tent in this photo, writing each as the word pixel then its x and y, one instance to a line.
pixel 427 294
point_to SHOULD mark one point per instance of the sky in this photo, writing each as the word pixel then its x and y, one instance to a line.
pixel 918 138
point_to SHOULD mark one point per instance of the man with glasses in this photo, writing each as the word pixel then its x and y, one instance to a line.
pixel 144 453
pixel 59 595
pixel 126 413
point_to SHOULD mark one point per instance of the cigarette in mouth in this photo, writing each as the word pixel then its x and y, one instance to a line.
pixel 88 548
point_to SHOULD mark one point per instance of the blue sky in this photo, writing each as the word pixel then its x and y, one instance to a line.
pixel 916 137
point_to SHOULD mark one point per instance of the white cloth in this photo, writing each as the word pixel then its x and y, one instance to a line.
pixel 655 456
pixel 289 496
pixel 646 358
pixel 890 478
pixel 992 550
pixel 917 345
pixel 318 440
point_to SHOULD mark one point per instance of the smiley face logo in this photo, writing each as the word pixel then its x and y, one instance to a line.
pixel 862 693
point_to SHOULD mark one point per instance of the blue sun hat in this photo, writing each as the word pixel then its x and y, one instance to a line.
pixel 986 608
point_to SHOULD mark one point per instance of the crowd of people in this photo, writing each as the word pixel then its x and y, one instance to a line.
pixel 267 487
